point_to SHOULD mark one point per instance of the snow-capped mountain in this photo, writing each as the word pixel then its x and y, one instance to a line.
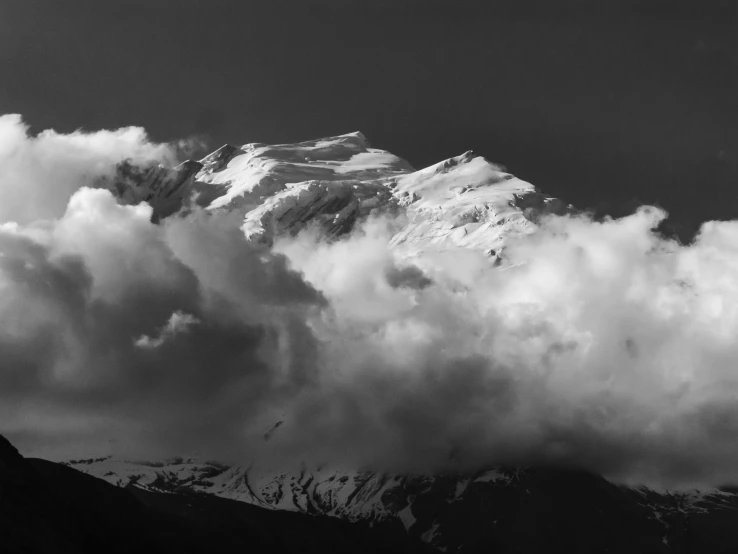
pixel 464 201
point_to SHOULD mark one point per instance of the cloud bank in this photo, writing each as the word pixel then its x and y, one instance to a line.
pixel 602 345
pixel 599 345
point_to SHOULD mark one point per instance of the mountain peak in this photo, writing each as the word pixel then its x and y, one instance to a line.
pixel 338 181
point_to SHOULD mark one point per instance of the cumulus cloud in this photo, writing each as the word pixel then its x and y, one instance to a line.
pixel 599 345
pixel 132 330
pixel 39 174
pixel 156 336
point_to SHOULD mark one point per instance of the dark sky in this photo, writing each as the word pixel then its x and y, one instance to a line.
pixel 605 104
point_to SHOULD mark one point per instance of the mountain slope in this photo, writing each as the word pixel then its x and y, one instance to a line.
pixel 41 515
pixel 336 181
pixel 512 510
pixel 48 507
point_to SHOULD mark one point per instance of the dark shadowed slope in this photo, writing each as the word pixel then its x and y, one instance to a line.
pixel 49 507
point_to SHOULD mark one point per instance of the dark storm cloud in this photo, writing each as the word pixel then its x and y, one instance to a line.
pixel 177 332
pixel 410 276
pixel 79 318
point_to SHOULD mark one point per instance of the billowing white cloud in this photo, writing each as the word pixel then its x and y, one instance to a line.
pixel 39 174
pixel 599 345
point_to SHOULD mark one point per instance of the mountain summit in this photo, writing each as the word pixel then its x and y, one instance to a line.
pixel 463 201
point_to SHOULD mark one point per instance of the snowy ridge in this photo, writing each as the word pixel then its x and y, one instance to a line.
pixel 467 201
pixel 256 171
pixel 356 496
pixel 336 181
pixel 428 507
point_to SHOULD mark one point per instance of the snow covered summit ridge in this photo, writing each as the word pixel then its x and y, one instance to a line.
pixel 336 181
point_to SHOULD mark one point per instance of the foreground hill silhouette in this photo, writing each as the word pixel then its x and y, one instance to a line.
pixel 50 507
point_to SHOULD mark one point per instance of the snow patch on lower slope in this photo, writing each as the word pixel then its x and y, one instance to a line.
pixel 428 507
pixel 433 536
pixel 491 476
pixel 687 501
pixel 351 495
pixel 407 517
